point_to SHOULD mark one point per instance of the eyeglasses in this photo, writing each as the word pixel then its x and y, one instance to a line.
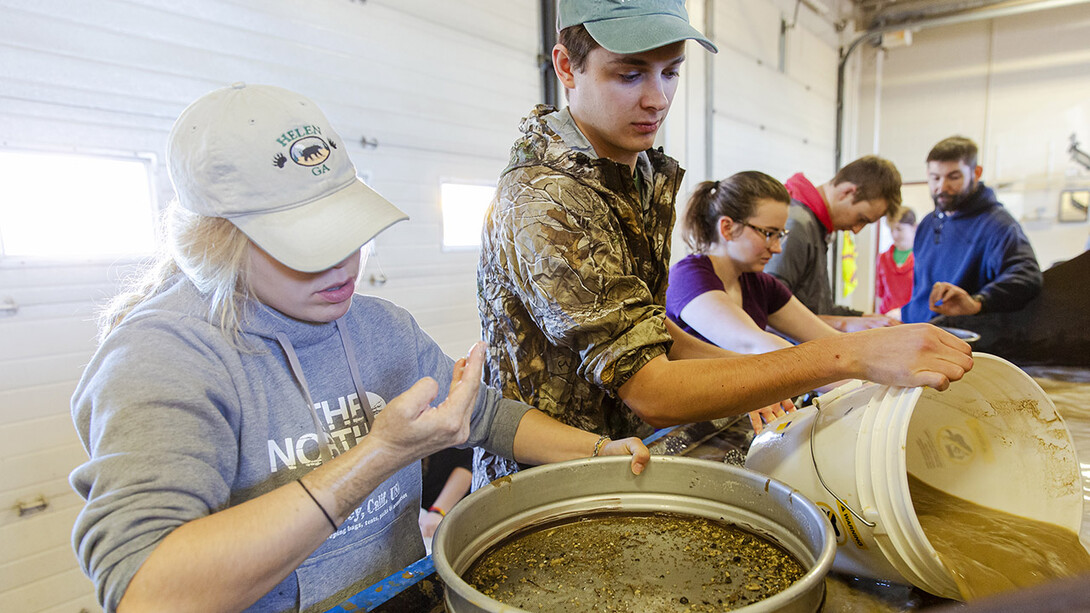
pixel 770 234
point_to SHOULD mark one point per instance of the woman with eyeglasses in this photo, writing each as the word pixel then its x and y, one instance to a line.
pixel 719 293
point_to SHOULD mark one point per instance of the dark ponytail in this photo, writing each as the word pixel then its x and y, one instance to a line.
pixel 735 197
pixel 698 225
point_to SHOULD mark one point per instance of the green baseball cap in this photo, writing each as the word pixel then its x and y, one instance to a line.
pixel 631 26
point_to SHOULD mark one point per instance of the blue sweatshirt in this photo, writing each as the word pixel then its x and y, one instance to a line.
pixel 179 424
pixel 981 249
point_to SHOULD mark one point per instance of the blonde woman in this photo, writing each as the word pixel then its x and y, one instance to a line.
pixel 254 426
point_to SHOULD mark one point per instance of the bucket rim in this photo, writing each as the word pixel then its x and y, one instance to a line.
pixel 813 579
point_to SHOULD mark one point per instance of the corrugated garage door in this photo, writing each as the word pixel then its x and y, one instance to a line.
pixel 439 86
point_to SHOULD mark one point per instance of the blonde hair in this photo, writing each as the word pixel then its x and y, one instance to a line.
pixel 210 251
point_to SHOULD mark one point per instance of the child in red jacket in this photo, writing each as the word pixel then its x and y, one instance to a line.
pixel 893 280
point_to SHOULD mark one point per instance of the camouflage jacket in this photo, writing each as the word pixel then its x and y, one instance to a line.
pixel 572 280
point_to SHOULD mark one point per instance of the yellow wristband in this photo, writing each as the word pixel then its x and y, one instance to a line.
pixel 441 512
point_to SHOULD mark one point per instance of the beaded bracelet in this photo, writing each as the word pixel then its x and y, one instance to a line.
pixel 602 440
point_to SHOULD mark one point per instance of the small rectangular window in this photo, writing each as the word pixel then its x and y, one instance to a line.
pixel 464 206
pixel 61 206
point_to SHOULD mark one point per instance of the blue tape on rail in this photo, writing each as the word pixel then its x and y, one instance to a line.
pixel 384 590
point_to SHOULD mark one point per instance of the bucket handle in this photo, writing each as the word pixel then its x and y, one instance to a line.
pixel 817 470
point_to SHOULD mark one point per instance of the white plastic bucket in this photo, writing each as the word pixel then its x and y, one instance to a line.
pixel 993 438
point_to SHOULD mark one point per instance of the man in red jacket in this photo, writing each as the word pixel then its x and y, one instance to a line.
pixel 860 194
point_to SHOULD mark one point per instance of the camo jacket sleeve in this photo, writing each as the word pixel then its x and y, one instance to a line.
pixel 573 258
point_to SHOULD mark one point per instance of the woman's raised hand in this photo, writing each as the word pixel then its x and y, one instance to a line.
pixel 410 425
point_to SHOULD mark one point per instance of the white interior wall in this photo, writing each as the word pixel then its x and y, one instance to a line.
pixel 774 105
pixel 770 113
pixel 1017 86
pixel 776 121
pixel 441 86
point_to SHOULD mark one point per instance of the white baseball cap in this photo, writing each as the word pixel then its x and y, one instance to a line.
pixel 266 159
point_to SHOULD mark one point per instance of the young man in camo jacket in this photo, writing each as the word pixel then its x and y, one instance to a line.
pixel 576 247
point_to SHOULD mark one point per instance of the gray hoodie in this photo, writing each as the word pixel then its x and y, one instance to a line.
pixel 180 424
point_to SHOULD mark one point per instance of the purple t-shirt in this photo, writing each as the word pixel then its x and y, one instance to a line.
pixel 762 293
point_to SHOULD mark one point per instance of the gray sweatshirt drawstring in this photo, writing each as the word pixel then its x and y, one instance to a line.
pixel 353 367
pixel 324 450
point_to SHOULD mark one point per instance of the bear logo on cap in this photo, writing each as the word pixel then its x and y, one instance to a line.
pixel 309 151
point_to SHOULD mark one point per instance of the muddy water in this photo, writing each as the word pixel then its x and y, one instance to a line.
pixel 988 551
pixel 1069 389
pixel 634 562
